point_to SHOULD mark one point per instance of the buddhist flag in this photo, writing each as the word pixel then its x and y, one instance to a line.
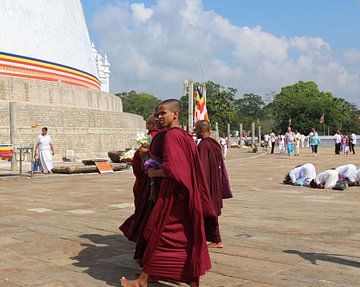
pixel 200 105
pixel 322 119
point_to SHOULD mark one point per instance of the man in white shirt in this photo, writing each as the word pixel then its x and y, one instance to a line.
pixel 266 141
pixel 337 140
pixel 273 141
pixel 301 175
pixel 346 171
pixel 325 179
pixel 353 142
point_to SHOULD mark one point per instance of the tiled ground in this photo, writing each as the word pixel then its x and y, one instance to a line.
pixel 62 231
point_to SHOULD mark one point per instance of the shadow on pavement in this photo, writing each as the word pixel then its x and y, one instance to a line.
pixel 108 257
pixel 332 258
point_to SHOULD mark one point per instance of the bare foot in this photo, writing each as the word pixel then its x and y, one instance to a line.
pixel 193 284
pixel 142 281
pixel 215 245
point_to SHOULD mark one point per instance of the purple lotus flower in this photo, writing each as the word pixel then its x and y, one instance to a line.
pixel 151 163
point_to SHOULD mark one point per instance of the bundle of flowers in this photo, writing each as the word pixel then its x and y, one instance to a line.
pixel 127 156
pixel 143 139
pixel 152 163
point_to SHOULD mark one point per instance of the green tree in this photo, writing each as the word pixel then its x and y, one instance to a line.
pixel 250 105
pixel 138 103
pixel 303 104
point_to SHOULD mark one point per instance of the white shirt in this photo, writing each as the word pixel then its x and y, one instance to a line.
pixel 222 141
pixel 272 137
pixel 356 176
pixel 337 138
pixel 44 142
pixel 353 137
pixel 327 178
pixel 306 171
pixel 346 171
pixel 266 137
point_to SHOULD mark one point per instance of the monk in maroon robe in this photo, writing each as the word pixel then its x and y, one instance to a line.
pixel 130 227
pixel 212 161
pixel 176 244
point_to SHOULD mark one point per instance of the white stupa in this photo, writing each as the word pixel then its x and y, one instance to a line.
pixel 48 40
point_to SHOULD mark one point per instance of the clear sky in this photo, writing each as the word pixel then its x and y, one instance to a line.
pixel 246 43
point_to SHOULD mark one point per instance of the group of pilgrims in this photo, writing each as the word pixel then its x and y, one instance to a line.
pixel 178 194
pixel 338 178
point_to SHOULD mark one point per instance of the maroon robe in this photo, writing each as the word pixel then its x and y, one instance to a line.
pixel 131 226
pixel 212 161
pixel 176 244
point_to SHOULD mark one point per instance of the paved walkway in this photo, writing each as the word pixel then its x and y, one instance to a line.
pixel 61 231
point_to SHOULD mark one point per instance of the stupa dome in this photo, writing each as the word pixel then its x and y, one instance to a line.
pixel 46 40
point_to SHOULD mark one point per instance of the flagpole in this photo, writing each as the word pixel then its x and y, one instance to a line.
pixel 191 106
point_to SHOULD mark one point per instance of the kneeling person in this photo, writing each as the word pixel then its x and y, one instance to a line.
pixel 301 175
pixel 325 179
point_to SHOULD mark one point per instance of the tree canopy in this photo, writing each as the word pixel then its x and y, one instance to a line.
pixel 138 103
pixel 302 104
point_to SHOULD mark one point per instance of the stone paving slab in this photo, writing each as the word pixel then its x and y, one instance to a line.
pixel 62 231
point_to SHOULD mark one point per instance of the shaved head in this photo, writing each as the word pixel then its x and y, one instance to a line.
pixel 151 120
pixel 203 124
pixel 173 105
pixel 202 129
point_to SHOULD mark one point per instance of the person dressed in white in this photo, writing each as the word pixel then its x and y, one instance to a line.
pixel 266 141
pixel 282 146
pixel 353 142
pixel 301 175
pixel 346 171
pixel 223 143
pixel 44 150
pixel 302 137
pixel 355 177
pixel 325 179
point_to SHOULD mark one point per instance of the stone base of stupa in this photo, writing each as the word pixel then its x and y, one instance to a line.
pixel 89 122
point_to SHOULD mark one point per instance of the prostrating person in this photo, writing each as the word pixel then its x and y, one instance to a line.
pixel 174 233
pixel 44 151
pixel 217 179
pixel 325 179
pixel 346 172
pixel 301 175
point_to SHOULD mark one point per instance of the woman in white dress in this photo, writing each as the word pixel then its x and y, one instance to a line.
pixel 44 150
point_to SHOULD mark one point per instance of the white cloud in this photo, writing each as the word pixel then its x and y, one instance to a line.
pixel 352 56
pixel 140 13
pixel 154 49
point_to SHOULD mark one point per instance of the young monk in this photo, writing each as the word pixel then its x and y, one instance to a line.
pixel 176 244
pixel 212 161
pixel 130 227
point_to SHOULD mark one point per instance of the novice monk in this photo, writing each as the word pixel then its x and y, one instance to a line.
pixel 176 244
pixel 325 179
pixel 130 227
pixel 212 161
pixel 301 175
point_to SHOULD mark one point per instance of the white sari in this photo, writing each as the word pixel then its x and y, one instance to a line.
pixel 45 157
